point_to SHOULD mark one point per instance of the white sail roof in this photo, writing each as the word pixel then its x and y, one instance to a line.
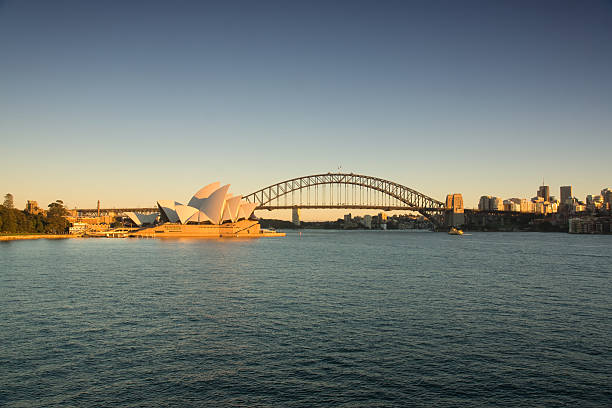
pixel 246 209
pixel 226 214
pixel 233 206
pixel 211 203
pixel 203 193
pixel 199 216
pixel 148 218
pixel 214 204
pixel 185 212
pixel 140 219
pixel 169 209
pixel 134 218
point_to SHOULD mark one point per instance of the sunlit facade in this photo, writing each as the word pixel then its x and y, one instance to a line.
pixel 212 212
pixel 212 204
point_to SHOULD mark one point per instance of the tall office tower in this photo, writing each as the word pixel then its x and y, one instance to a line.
pixel 566 193
pixel 544 192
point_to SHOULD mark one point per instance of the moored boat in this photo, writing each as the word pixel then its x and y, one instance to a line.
pixel 455 231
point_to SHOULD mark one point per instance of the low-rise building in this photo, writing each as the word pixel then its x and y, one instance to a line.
pixel 77 228
pixel 590 225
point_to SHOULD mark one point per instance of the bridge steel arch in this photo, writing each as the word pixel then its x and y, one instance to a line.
pixel 413 200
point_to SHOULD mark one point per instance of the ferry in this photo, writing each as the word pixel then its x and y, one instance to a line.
pixel 455 231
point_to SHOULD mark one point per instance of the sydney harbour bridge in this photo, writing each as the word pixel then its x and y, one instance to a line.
pixel 331 191
pixel 345 191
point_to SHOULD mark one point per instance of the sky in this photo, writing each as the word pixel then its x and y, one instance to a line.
pixel 131 102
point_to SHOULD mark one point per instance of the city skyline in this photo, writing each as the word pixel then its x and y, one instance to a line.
pixel 111 101
pixel 542 196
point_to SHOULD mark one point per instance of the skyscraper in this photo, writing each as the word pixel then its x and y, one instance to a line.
pixel 566 193
pixel 544 192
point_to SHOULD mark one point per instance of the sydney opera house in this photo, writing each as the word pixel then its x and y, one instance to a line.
pixel 211 212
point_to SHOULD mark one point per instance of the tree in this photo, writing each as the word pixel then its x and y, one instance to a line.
pixel 57 209
pixel 8 201
pixel 55 222
pixel 8 220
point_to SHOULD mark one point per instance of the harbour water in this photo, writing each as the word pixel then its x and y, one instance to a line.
pixel 325 318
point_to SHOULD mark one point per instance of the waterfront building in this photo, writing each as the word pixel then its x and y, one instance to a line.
pixel 211 204
pixel 101 220
pixel 77 228
pixel 211 212
pixel 590 225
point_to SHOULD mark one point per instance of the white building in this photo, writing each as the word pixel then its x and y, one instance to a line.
pixel 211 204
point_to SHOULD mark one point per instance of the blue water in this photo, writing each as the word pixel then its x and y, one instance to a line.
pixel 326 318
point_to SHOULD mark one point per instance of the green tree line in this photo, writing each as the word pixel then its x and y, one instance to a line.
pixel 17 221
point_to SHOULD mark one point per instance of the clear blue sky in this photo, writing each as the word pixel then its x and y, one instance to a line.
pixel 130 102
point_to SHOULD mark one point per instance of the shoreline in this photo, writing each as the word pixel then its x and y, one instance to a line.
pixel 35 236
